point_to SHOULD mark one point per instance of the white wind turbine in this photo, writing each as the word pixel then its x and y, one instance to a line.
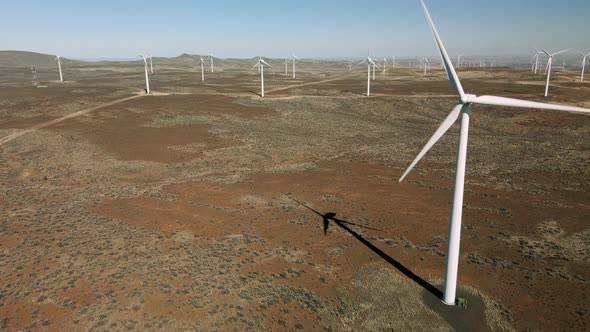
pixel 286 63
pixel 374 66
pixel 151 65
pixel 426 65
pixel 147 78
pixel 260 64
pixel 536 59
pixel 384 65
pixel 61 76
pixel 548 68
pixel 583 64
pixel 211 59
pixel 294 58
pixel 462 110
pixel 370 63
pixel 202 69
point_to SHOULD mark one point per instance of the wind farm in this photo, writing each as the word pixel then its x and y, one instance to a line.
pixel 438 188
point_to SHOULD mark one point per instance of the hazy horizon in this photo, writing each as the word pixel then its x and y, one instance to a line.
pixel 322 30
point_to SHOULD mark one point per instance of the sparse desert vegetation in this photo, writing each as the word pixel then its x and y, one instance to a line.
pixel 202 206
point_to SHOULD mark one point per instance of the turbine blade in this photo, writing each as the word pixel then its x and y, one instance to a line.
pixel 442 129
pixel 256 65
pixel 569 49
pixel 510 102
pixel 360 63
pixel 545 52
pixel 451 73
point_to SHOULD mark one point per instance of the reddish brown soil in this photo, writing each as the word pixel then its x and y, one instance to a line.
pixel 194 211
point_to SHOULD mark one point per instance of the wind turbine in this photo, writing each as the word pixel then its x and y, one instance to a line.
pixel 426 64
pixel 583 64
pixel 211 58
pixel 459 61
pixel 147 78
pixel 462 110
pixel 536 58
pixel 151 65
pixel 260 64
pixel 384 65
pixel 548 68
pixel 286 63
pixel 370 63
pixel 294 58
pixel 61 77
pixel 202 69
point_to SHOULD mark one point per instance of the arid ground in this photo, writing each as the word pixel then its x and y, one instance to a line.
pixel 205 207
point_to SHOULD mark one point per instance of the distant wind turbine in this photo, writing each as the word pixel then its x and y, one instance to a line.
pixel 260 64
pixel 426 64
pixel 536 59
pixel 548 69
pixel 151 65
pixel 211 58
pixel 583 64
pixel 294 58
pixel 286 63
pixel 370 63
pixel 462 110
pixel 147 78
pixel 202 70
pixel 61 77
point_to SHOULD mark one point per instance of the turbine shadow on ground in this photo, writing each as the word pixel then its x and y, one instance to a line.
pixel 256 93
pixel 331 216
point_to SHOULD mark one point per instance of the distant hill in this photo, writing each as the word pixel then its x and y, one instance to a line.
pixel 188 61
pixel 30 59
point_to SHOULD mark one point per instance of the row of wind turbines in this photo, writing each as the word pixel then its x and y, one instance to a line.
pixel 372 64
pixel 535 64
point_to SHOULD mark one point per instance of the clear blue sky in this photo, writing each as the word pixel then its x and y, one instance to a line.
pixel 311 28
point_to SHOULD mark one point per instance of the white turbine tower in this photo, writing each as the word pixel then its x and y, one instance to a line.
pixel 61 76
pixel 147 78
pixel 211 59
pixel 260 64
pixel 202 70
pixel 151 65
pixel 370 63
pixel 294 58
pixel 583 64
pixel 548 68
pixel 374 66
pixel 462 110
pixel 426 65
pixel 286 63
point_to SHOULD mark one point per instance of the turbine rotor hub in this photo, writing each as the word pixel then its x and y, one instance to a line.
pixel 468 98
